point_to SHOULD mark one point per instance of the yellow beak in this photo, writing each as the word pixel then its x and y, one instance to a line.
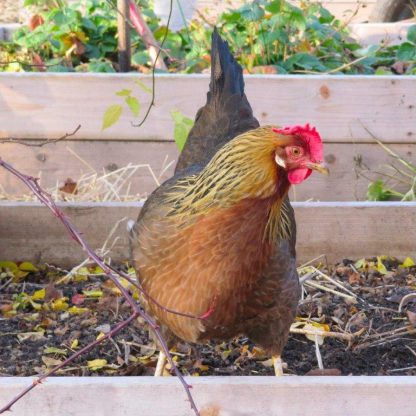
pixel 319 167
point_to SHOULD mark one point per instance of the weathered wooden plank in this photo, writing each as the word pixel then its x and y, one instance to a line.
pixel 34 105
pixel 374 33
pixel 56 163
pixel 215 396
pixel 342 9
pixel 338 230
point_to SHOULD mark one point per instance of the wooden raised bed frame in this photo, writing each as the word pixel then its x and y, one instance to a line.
pixel 39 106
pixel 235 396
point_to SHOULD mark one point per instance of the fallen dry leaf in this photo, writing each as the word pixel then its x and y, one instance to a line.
pixel 69 187
pixel 30 336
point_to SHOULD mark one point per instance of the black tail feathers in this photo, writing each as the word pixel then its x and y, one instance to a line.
pixel 227 112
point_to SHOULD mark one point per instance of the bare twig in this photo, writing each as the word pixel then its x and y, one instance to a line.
pixel 41 144
pixel 33 185
pixel 405 300
pixel 152 102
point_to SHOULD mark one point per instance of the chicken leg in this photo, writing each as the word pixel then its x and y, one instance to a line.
pixel 160 365
pixel 278 365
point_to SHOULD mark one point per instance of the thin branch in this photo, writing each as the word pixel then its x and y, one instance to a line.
pixel 43 143
pixel 152 102
pixel 32 184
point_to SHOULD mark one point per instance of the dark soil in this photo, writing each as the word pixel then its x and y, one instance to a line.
pixel 38 332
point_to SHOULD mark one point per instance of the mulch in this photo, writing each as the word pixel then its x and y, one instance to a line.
pixel 368 315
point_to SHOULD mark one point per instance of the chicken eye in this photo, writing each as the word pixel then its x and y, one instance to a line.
pixel 296 151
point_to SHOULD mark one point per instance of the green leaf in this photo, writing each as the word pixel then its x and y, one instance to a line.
pixel 251 12
pixel 143 86
pixel 111 115
pixel 140 58
pixel 133 104
pixel 297 18
pixel 406 52
pixel 304 61
pixel 411 34
pixel 383 71
pixel 123 93
pixel 274 6
pixel 54 350
pixel 377 191
pixel 183 126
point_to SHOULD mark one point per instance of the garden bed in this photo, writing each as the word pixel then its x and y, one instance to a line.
pixel 371 317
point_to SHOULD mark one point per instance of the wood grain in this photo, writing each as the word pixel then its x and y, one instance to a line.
pixel 56 163
pixel 36 105
pixel 338 230
pixel 265 396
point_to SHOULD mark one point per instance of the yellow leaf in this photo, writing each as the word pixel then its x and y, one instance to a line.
pixel 408 262
pixel 35 306
pixel 8 265
pixel 20 274
pixel 39 294
pixel 27 267
pixel 132 272
pixel 359 264
pixel 94 293
pixel 111 115
pixel 75 310
pixel 97 270
pixel 381 268
pixel 100 335
pixel 53 350
pixel 323 327
pixel 97 364
pixel 60 304
pixel 74 344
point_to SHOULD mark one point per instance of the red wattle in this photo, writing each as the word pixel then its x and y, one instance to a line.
pixel 296 176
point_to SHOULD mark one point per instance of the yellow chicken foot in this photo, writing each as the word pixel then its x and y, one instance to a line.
pixel 160 365
pixel 278 365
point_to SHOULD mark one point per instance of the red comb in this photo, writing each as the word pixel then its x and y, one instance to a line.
pixel 308 134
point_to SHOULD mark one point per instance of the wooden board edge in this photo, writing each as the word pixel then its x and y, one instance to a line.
pixel 333 229
pixel 266 396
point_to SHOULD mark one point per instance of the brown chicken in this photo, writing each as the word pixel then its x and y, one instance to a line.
pixel 220 234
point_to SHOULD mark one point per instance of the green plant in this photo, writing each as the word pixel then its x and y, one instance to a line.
pixel 267 36
pixel 114 111
pixel 183 126
pixel 278 37
pixel 71 37
pixel 402 176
